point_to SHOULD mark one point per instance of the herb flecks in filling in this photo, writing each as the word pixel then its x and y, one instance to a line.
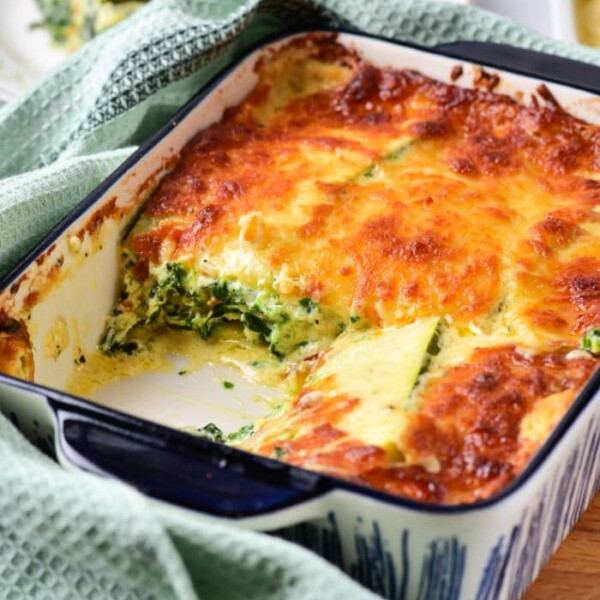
pixel 175 295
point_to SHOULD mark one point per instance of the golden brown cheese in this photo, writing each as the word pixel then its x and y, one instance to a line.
pixel 16 354
pixel 385 198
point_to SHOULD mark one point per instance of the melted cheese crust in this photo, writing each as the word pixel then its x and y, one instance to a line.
pixel 16 354
pixel 386 198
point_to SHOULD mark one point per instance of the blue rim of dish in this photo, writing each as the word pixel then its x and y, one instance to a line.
pixel 322 483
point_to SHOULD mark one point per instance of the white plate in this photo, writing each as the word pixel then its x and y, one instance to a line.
pixel 26 53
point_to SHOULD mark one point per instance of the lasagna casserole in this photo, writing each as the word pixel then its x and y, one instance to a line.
pixel 416 265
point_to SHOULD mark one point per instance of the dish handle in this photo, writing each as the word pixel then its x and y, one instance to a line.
pixel 179 468
pixel 527 62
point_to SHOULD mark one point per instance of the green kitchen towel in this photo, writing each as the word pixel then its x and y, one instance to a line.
pixel 72 535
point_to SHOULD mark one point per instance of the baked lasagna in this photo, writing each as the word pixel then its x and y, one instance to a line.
pixel 421 260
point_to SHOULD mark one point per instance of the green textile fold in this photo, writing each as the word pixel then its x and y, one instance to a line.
pixel 71 535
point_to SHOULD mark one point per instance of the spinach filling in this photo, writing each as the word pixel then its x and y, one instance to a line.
pixel 212 432
pixel 178 298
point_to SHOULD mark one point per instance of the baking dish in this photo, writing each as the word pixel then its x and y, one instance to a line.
pixel 397 547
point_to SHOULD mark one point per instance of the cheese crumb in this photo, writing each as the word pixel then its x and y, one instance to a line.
pixel 74 244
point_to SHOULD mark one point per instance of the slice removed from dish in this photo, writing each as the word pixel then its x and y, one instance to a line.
pixel 361 387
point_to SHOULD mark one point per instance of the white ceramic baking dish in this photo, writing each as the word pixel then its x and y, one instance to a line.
pixel 397 547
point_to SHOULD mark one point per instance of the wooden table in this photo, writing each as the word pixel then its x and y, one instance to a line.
pixel 573 573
